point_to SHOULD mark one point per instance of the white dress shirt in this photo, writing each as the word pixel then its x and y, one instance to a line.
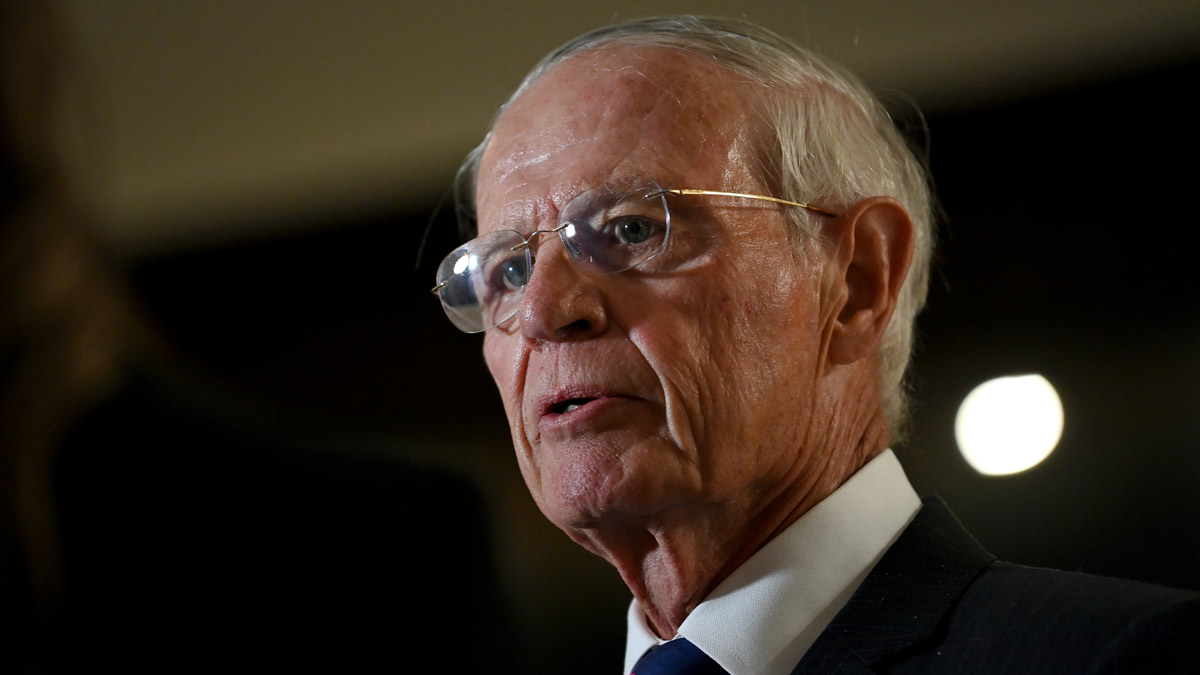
pixel 764 617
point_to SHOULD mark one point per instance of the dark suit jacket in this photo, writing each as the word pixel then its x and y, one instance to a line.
pixel 937 602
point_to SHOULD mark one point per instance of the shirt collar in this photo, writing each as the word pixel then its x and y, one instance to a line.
pixel 787 593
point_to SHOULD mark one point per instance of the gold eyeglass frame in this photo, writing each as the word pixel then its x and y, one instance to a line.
pixel 804 205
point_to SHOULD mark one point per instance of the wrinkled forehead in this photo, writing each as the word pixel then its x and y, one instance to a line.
pixel 627 117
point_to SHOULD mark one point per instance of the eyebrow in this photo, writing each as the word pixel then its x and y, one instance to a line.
pixel 526 211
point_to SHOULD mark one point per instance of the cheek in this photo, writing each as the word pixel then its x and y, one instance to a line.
pixel 693 340
pixel 500 354
pixel 506 360
pixel 757 365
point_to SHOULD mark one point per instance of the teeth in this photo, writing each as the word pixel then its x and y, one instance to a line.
pixel 571 406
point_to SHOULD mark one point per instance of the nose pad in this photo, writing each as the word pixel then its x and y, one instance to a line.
pixel 573 248
pixel 562 231
pixel 570 244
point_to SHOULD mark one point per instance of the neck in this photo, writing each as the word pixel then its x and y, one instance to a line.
pixel 674 561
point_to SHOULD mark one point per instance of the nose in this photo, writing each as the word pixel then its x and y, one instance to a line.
pixel 561 302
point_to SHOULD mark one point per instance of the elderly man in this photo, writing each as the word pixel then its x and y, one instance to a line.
pixel 703 370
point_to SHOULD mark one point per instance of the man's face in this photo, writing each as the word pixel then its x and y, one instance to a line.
pixel 685 385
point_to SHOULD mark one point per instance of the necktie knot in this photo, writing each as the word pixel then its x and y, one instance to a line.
pixel 677 657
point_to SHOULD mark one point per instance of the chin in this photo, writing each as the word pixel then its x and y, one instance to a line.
pixel 592 489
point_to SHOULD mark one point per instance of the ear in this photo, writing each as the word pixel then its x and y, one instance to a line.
pixel 873 247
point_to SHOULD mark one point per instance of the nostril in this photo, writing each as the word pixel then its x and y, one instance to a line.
pixel 575 327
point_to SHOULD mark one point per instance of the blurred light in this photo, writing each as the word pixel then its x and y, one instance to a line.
pixel 1009 424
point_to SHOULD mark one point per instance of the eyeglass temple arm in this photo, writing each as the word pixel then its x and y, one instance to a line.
pixel 802 205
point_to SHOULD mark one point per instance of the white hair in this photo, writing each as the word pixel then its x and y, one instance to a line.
pixel 833 144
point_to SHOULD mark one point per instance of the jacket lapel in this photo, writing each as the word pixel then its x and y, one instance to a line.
pixel 904 599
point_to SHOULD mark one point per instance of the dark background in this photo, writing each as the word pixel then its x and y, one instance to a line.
pixel 1067 248
pixel 315 472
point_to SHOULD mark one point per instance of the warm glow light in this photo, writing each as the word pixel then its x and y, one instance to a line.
pixel 1009 424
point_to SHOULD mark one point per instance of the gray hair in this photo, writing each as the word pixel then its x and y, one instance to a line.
pixel 834 144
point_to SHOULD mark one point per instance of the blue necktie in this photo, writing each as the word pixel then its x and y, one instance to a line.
pixel 677 657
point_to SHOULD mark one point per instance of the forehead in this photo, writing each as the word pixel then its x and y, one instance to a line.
pixel 623 116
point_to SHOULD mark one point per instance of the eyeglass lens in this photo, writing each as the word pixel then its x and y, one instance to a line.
pixel 481 282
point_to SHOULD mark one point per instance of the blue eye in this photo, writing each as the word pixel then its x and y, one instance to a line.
pixel 511 274
pixel 609 232
pixel 633 230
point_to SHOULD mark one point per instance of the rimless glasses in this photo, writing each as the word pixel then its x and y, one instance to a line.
pixel 481 282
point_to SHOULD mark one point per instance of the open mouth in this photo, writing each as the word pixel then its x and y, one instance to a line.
pixel 569 405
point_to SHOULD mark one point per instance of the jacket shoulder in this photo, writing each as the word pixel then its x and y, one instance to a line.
pixel 1022 619
pixel 937 602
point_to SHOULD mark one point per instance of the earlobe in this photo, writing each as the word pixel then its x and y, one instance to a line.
pixel 873 247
